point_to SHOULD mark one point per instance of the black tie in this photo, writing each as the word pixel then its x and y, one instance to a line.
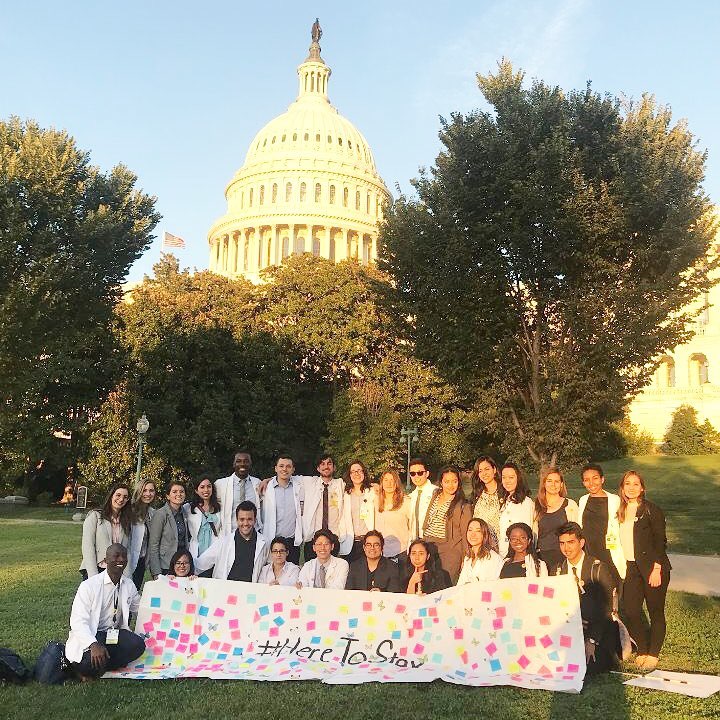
pixel 326 508
pixel 577 580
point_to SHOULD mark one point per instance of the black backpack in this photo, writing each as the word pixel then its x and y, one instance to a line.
pixel 52 667
pixel 12 668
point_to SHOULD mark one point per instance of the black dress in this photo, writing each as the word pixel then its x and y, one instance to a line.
pixel 595 525
pixel 548 543
pixel 511 569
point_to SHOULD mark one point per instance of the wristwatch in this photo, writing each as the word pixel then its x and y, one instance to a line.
pixel 592 642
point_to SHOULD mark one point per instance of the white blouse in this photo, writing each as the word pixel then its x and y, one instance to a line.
pixel 288 576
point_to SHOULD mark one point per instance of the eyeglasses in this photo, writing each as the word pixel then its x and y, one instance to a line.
pixel 280 550
pixel 181 562
pixel 356 472
pixel 415 473
pixel 373 545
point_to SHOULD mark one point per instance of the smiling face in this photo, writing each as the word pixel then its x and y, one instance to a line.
pixel 553 484
pixel 449 483
pixel 115 561
pixel 245 522
pixel 632 487
pixel 119 500
pixel 284 468
pixel 519 541
pixel 326 468
pixel 593 482
pixel 323 548
pixel 418 556
pixel 373 547
pixel 571 547
pixel 509 480
pixel 148 493
pixel 176 496
pixel 357 475
pixel 387 482
pixel 242 462
pixel 204 489
pixel 486 472
pixel 419 474
pixel 475 534
pixel 182 566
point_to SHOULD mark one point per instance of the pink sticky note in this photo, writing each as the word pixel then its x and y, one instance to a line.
pixel 403 651
pixel 464 657
pixel 523 661
pixel 173 584
pixel 500 612
pixel 215 644
pixel 399 609
pixel 533 588
pixel 529 641
pixel 546 641
pixel 367 606
pixel 458 633
pixel 548 592
pixel 184 638
pixel 181 648
pixel 148 626
pixel 491 648
pixel 219 612
pixel 310 625
pixel 233 623
pixel 432 612
pixel 294 614
pixel 232 600
pixel 418 649
pixel 334 625
pixel 274 631
pixel 190 608
pixel 497 624
pixel 156 617
pixel 417 624
pixel 193 648
pixel 277 607
pixel 197 629
pixel 236 634
pixel 161 635
pixel 544 620
pixel 573 668
pixel 486 596
pixel 565 641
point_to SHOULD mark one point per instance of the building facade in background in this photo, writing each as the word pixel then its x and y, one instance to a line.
pixel 309 184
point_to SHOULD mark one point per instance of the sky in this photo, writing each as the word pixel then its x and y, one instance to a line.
pixel 177 90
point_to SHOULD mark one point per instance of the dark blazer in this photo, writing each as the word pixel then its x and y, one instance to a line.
pixel 649 539
pixel 387 576
pixel 596 600
pixel 439 579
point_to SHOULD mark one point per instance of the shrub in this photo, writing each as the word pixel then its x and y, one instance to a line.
pixel 685 436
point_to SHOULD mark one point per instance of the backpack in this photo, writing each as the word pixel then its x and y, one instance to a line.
pixel 12 668
pixel 52 667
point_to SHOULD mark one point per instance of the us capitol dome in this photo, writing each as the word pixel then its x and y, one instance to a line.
pixel 308 185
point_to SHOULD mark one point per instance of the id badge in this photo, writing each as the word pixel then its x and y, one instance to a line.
pixel 111 638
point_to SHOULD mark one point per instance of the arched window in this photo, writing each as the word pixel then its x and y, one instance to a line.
pixel 294 137
pixel 303 192
pixel 262 194
pixel 285 247
pixel 367 245
pixel 251 196
pixel 332 249
pixel 288 192
pixel 274 193
pixel 317 137
pixel 357 199
pixel 318 192
pixel 699 370
pixel 367 204
pixel 246 254
pixel 316 247
pixel 345 197
pixel 307 136
pixel 665 373
pixel 332 194
pixel 299 245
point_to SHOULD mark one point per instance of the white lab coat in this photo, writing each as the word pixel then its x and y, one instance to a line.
pixel 269 516
pixel 224 488
pixel 288 576
pixel 312 498
pixel 222 556
pixel 426 493
pixel 511 513
pixel 367 514
pixel 484 570
pixel 335 574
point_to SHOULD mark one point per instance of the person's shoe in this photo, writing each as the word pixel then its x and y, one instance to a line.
pixel 640 660
pixel 650 662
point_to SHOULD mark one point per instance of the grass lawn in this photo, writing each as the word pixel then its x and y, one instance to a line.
pixel 39 578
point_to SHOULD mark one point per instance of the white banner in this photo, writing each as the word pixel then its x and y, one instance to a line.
pixel 519 632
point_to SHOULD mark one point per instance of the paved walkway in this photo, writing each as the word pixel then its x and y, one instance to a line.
pixel 695 574
pixel 691 573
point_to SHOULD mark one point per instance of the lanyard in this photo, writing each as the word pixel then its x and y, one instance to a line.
pixel 116 597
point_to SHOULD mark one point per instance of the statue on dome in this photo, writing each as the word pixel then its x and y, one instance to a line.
pixel 316 31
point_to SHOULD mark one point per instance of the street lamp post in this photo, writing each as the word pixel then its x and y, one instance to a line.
pixel 409 435
pixel 142 427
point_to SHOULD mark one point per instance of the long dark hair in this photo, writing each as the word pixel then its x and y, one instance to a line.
pixel 459 498
pixel 478 486
pixel 433 575
pixel 485 546
pixel 623 498
pixel 197 502
pixel 348 480
pixel 531 551
pixel 177 556
pixel 126 514
pixel 521 491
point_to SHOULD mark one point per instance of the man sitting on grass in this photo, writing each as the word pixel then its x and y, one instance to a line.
pixel 100 638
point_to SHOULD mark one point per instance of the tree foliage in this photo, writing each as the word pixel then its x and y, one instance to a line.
pixel 548 258
pixel 68 235
pixel 686 436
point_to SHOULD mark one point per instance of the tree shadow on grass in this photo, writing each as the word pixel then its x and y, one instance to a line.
pixel 603 696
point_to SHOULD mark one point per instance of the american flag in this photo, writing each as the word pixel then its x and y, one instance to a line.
pixel 172 241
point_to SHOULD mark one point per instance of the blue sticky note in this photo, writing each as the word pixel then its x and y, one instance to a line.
pixel 174 634
pixel 437 658
pixel 517 623
pixel 264 610
pixel 460 673
pixel 203 639
pixel 155 602
pixel 279 621
pixel 396 635
pixel 422 612
pixel 315 639
pixel 505 637
pixel 176 605
pixel 222 656
pixel 237 651
pixel 353 622
pixel 476 624
pixel 311 609
pixel 204 610
pixel 511 649
pixel 495 665
pixel 251 599
pixel 554 655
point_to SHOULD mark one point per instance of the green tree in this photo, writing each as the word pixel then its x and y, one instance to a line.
pixel 549 256
pixel 685 436
pixel 68 235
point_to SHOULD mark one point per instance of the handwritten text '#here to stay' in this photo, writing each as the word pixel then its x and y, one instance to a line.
pixel 384 652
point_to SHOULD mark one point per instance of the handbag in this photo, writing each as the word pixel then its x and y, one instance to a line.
pixel 12 668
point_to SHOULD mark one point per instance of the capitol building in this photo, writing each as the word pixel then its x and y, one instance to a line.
pixel 308 185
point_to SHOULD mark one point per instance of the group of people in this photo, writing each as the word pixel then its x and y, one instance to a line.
pixel 357 534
